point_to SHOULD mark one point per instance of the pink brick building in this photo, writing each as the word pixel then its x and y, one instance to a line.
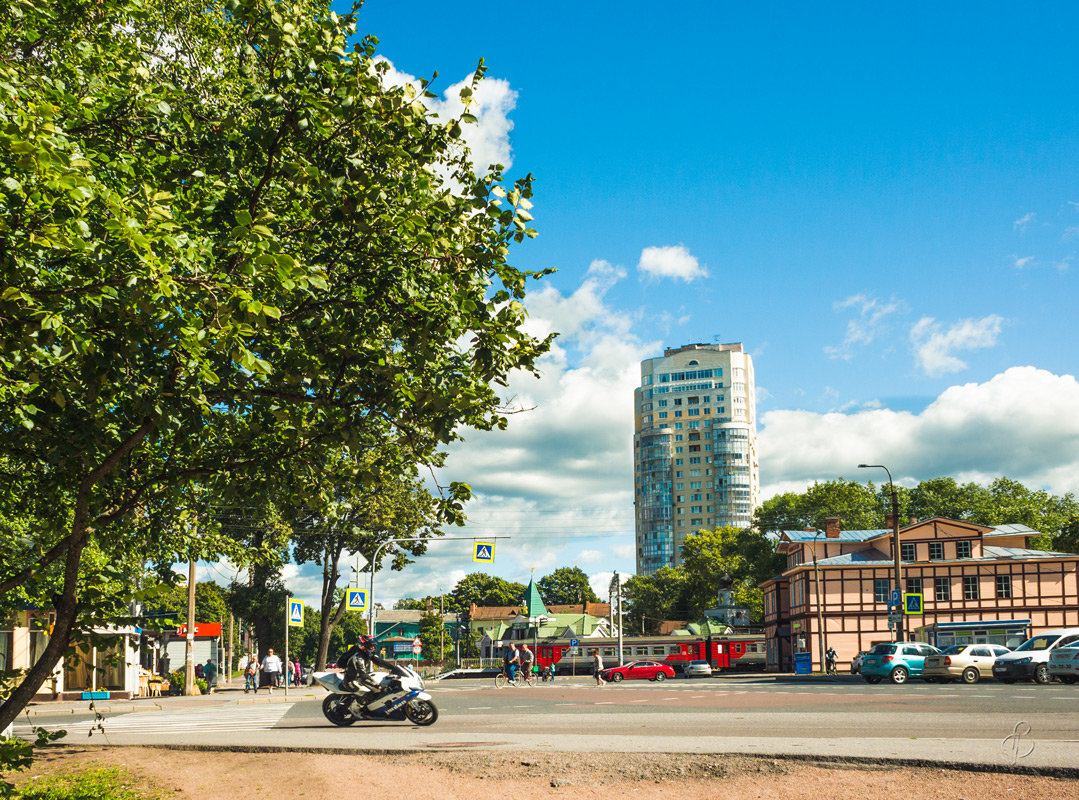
pixel 978 583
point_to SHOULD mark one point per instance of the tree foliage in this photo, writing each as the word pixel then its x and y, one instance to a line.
pixel 227 248
pixel 863 507
pixel 484 590
pixel 566 586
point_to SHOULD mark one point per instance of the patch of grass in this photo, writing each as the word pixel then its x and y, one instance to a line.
pixel 90 784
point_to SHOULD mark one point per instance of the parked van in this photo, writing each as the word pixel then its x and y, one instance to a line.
pixel 1030 660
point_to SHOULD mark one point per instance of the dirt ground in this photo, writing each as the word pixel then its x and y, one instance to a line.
pixel 205 775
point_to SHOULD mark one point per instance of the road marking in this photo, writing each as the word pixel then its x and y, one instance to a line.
pixel 604 703
pixel 480 708
pixel 638 701
pixel 172 721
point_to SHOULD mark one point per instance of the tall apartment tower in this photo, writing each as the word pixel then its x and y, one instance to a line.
pixel 694 448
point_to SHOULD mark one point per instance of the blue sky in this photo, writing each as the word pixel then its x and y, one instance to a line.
pixel 881 201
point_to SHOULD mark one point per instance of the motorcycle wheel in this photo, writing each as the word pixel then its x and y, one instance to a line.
pixel 335 709
pixel 421 712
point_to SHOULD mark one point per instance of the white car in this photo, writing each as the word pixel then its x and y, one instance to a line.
pixel 1064 663
pixel 697 669
pixel 856 663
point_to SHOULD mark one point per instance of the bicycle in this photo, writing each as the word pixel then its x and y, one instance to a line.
pixel 830 668
pixel 501 680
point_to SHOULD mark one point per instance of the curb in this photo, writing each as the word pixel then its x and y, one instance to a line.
pixel 798 758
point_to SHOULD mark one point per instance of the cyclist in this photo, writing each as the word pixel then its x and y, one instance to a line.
pixel 829 660
pixel 528 658
pixel 510 661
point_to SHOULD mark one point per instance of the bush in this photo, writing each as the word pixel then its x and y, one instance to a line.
pixel 94 784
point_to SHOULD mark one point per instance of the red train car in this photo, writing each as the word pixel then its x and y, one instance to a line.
pixel 737 652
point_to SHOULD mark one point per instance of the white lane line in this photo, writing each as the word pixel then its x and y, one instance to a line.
pixel 480 708
pixel 604 703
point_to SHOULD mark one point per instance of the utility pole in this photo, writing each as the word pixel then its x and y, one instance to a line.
pixel 441 625
pixel 189 652
pixel 228 664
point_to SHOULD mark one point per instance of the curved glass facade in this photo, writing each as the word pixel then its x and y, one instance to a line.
pixel 654 507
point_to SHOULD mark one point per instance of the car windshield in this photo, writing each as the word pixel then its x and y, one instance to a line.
pixel 697 663
pixel 882 650
pixel 955 649
pixel 1038 642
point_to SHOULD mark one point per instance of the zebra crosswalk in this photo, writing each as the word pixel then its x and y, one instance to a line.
pixel 172 721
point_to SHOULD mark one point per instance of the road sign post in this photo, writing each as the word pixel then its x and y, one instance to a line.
pixel 417 646
pixel 293 616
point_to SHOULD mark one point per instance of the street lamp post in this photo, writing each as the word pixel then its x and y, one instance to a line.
pixel 900 628
pixel 820 611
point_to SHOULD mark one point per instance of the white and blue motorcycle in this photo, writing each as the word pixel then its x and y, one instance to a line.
pixel 400 697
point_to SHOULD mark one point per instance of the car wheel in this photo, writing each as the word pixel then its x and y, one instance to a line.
pixel 899 675
pixel 1041 674
pixel 873 678
pixel 661 676
pixel 617 677
pixel 970 675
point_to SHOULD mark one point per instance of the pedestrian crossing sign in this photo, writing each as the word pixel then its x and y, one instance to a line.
pixel 484 552
pixel 357 599
pixel 912 603
pixel 295 612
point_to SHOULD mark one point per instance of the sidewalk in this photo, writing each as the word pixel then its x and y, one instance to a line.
pixel 222 696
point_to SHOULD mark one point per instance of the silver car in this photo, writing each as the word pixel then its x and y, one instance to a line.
pixel 697 669
pixel 1064 663
pixel 966 662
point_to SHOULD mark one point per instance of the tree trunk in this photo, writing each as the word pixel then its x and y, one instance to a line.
pixel 66 608
pixel 328 616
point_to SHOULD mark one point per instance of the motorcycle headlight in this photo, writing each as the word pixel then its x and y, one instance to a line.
pixel 1023 660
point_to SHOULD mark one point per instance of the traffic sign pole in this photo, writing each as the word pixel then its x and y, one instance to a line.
pixel 288 624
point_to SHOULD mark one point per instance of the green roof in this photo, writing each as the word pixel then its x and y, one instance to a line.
pixel 536 608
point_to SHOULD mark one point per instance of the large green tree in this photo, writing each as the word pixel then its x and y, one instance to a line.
pixel 484 590
pixel 566 585
pixel 226 247
pixel 376 498
pixel 651 599
pixel 859 507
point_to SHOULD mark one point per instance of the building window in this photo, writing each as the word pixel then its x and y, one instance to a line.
pixel 907 552
pixel 963 549
pixel 1004 587
pixel 663 415
pixel 880 590
pixel 936 551
pixel 970 587
pixel 678 413
pixel 942 589
pixel 914 585
pixel 694 412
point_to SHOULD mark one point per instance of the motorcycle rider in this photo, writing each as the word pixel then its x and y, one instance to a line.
pixel 829 659
pixel 358 661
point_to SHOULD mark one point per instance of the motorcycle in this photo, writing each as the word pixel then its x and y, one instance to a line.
pixel 400 697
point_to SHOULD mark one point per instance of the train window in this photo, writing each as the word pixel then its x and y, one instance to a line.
pixel 640 651
pixel 608 651
pixel 659 651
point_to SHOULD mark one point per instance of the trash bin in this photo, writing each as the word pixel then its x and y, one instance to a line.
pixel 803 663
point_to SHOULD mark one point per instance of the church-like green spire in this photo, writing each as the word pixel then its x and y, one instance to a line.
pixel 533 601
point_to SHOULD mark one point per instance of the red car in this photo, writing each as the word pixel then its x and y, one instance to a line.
pixel 648 670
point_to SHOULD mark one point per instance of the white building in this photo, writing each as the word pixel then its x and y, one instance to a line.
pixel 695 460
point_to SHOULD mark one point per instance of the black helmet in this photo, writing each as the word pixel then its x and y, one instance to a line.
pixel 368 642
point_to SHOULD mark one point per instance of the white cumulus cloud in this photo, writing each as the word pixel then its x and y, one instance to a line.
pixel 1023 423
pixel 1021 223
pixel 671 262
pixel 934 345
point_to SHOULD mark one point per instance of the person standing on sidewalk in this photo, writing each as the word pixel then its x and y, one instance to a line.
pixel 271 665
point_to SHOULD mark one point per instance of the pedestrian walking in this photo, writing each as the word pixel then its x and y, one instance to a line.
pixel 251 674
pixel 597 667
pixel 298 672
pixel 209 673
pixel 271 665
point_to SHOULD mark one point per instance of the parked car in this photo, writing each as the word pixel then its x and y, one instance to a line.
pixel 647 670
pixel 966 662
pixel 897 661
pixel 697 669
pixel 856 663
pixel 1030 660
pixel 1064 663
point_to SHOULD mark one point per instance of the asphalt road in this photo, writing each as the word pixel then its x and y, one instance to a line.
pixel 988 723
